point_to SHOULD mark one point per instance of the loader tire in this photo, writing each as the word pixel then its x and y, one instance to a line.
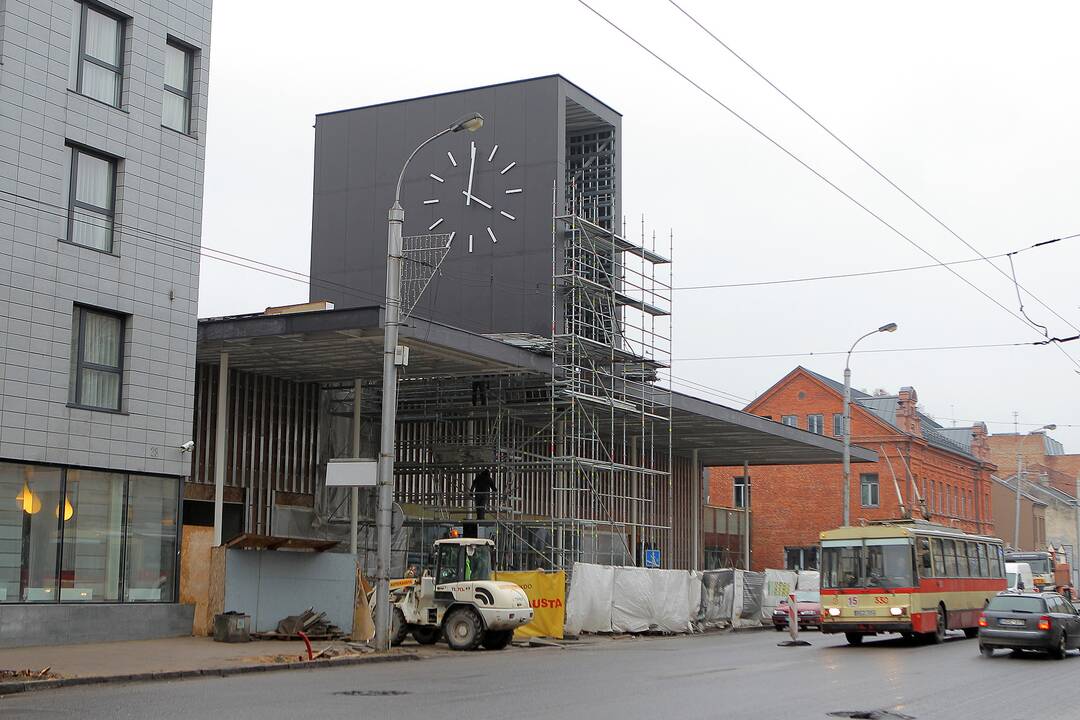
pixel 427 634
pixel 497 640
pixel 463 629
pixel 399 629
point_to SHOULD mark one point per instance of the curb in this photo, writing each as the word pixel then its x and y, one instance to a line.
pixel 11 688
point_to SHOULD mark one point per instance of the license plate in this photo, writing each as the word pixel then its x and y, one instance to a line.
pixel 864 613
pixel 1010 621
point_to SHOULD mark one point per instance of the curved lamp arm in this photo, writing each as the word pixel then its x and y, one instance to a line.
pixel 471 122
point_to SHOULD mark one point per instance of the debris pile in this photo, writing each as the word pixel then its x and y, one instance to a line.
pixel 28 674
pixel 312 624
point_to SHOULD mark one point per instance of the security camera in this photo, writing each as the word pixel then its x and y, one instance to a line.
pixel 188 446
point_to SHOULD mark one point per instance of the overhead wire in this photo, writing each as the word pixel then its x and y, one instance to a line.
pixel 810 168
pixel 856 352
pixel 875 169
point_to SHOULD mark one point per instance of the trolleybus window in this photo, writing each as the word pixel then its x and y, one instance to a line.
pixel 885 563
pixel 973 559
pixel 949 549
pixel 939 558
pixel 841 565
pixel 984 565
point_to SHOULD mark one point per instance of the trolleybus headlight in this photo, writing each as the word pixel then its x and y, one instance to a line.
pixel 834 611
pixel 896 611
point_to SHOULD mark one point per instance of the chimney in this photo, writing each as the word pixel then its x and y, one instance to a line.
pixel 907 416
pixel 980 446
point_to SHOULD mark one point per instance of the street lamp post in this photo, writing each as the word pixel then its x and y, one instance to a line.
pixel 891 327
pixel 1020 474
pixel 470 122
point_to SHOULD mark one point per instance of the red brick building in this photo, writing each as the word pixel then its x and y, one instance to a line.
pixel 1042 456
pixel 791 504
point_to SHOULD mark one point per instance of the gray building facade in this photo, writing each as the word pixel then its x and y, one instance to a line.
pixel 102 146
pixel 544 142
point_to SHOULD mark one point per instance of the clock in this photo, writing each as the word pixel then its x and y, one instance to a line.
pixel 457 198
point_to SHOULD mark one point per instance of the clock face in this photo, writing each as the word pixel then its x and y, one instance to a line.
pixel 479 189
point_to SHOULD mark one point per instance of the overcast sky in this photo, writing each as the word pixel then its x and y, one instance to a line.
pixel 970 107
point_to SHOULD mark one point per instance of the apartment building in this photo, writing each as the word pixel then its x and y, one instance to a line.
pixel 102 145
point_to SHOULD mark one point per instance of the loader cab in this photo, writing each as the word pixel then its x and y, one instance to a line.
pixel 462 561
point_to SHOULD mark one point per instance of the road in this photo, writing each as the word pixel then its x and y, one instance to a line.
pixel 720 675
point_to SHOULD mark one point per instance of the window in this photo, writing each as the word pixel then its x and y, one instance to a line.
pixel 739 485
pixel 838 424
pixel 791 420
pixel 176 100
pixel 97 45
pixel 449 561
pixel 150 555
pixel 949 550
pixel 30 531
pixel 816 424
pixel 93 534
pixel 869 484
pixel 984 560
pixel 92 197
pixel 97 341
pixel 801 558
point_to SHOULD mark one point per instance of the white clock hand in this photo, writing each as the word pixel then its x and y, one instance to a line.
pixel 472 164
pixel 473 197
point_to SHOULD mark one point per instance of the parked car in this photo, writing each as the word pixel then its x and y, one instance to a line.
pixel 1017 573
pixel 1029 621
pixel 808 605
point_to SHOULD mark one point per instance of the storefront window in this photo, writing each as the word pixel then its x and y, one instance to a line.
pixel 110 533
pixel 150 557
pixel 93 534
pixel 29 532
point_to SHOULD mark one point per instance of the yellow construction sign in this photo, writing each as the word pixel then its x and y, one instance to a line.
pixel 547 595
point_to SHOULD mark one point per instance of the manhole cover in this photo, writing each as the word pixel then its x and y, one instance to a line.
pixel 371 693
pixel 871 715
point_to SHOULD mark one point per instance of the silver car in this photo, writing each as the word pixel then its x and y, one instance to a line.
pixel 1029 621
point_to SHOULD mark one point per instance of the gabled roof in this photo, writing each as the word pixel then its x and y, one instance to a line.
pixel 1010 482
pixel 884 407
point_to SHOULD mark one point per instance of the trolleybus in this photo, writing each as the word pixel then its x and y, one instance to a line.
pixel 909 577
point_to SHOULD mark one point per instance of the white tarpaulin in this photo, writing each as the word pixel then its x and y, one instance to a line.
pixel 650 600
pixel 748 590
pixel 778 585
pixel 809 580
pixel 588 604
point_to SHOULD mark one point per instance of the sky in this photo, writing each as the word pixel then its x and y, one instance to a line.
pixel 969 107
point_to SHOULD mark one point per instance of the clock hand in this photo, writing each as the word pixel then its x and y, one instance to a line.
pixel 468 195
pixel 472 164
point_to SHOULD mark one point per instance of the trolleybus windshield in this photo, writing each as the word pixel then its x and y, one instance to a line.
pixel 871 563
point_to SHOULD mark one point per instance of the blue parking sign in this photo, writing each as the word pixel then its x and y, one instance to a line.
pixel 652 558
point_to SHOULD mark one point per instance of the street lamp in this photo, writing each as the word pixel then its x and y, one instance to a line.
pixel 891 327
pixel 471 122
pixel 1019 474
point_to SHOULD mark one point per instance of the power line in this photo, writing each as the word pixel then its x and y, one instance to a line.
pixel 874 168
pixel 808 167
pixel 856 352
pixel 865 273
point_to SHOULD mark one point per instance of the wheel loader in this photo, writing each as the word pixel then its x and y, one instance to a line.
pixel 460 602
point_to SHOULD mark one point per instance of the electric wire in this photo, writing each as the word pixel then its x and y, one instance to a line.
pixel 858 352
pixel 811 169
pixel 878 172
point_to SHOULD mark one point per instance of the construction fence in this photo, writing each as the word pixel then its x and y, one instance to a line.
pixel 607 599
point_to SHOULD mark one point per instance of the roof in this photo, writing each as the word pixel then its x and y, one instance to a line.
pixel 339 346
pixel 898 528
pixel 1010 482
pixel 478 87
pixel 884 407
pixel 1037 488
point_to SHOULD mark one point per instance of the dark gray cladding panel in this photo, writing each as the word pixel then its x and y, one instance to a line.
pixel 502 286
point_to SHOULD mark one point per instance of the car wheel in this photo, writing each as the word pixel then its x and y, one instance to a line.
pixel 463 629
pixel 1058 652
pixel 854 638
pixel 986 651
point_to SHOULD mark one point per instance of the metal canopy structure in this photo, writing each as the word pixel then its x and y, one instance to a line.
pixel 339 346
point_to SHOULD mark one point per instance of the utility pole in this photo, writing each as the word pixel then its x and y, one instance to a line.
pixel 1019 473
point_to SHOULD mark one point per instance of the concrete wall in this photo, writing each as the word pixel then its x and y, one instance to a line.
pixel 270 585
pixel 22 625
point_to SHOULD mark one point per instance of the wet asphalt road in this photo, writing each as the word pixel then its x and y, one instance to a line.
pixel 721 675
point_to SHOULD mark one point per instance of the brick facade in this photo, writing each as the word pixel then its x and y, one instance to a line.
pixel 792 504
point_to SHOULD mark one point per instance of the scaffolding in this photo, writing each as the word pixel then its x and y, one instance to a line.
pixel 610 418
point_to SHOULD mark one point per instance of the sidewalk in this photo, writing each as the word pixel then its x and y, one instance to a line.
pixel 172 658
